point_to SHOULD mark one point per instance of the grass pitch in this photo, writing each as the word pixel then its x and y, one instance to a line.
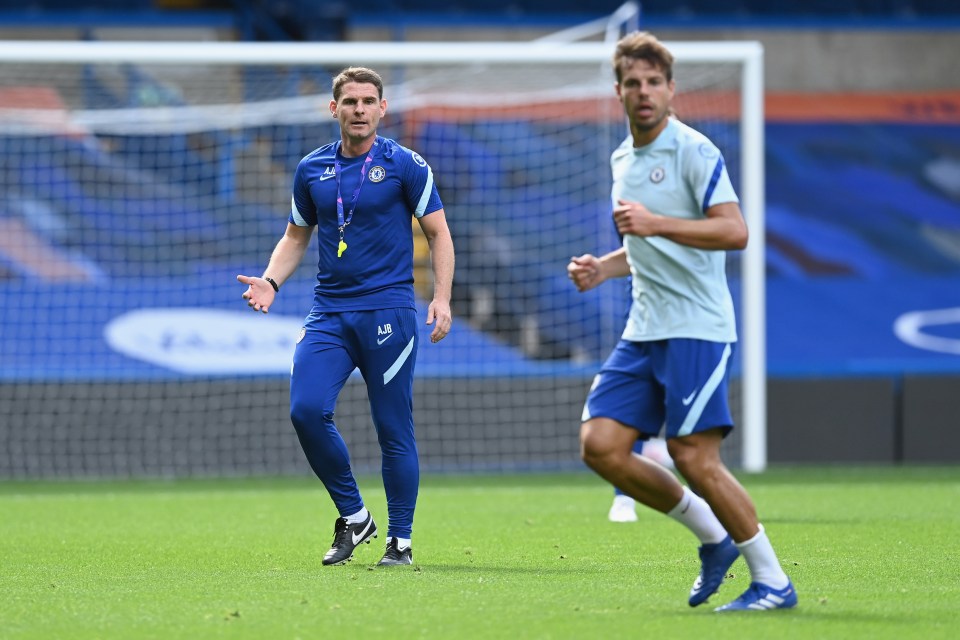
pixel 874 553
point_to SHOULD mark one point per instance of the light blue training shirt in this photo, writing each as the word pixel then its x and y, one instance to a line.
pixel 678 291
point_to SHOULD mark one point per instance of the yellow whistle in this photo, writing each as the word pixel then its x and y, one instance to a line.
pixel 341 248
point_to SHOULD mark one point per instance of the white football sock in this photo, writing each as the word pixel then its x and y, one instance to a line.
pixel 762 560
pixel 358 517
pixel 695 514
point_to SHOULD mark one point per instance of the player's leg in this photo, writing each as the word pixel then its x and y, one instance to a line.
pixel 628 390
pixel 697 457
pixel 624 403
pixel 321 366
pixel 624 508
pixel 606 446
pixel 698 418
pixel 389 339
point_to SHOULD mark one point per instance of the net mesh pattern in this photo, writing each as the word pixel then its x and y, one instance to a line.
pixel 132 195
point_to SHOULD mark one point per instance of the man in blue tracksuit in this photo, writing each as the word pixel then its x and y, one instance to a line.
pixel 360 194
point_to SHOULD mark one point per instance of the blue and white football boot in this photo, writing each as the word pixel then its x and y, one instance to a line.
pixel 715 560
pixel 760 597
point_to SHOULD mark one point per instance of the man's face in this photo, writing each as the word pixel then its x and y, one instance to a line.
pixel 358 110
pixel 644 93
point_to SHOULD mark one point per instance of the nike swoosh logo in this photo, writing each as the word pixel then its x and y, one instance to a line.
pixel 357 538
pixel 384 338
pixel 689 398
pixel 327 176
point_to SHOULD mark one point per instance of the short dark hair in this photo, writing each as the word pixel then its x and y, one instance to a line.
pixel 643 45
pixel 362 75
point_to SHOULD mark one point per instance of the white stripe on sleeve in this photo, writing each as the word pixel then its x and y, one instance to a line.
pixel 425 196
pixel 297 218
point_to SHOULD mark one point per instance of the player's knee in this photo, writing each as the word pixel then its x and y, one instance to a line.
pixel 586 447
pixel 595 450
pixel 699 465
pixel 306 415
pixel 593 459
pixel 687 458
pixel 688 467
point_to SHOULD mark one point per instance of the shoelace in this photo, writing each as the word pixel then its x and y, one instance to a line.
pixel 339 531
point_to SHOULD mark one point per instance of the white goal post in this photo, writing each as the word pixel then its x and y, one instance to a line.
pixel 748 57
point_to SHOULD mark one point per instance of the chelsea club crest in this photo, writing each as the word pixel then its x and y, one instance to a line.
pixel 377 174
pixel 657 175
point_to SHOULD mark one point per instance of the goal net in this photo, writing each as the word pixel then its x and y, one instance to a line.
pixel 138 180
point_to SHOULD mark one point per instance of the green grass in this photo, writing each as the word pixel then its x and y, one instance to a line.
pixel 874 553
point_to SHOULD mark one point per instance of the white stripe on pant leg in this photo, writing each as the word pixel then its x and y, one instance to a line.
pixel 395 367
pixel 705 394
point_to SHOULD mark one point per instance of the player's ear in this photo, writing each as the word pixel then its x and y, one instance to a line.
pixel 383 107
pixel 333 108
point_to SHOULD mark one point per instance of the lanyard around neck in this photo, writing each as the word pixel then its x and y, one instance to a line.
pixel 344 220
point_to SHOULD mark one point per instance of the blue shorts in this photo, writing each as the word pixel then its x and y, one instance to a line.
pixel 678 384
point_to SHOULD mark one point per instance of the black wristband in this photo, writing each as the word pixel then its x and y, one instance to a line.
pixel 273 283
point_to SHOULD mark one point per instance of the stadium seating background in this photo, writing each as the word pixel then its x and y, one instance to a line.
pixel 862 217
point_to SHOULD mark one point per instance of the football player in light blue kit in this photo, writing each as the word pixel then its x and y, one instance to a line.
pixel 360 194
pixel 678 213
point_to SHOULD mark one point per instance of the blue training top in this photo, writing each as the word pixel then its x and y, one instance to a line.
pixel 375 271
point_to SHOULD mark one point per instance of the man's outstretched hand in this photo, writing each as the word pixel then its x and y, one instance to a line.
pixel 259 294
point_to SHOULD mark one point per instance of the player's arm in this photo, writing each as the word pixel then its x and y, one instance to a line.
pixel 588 271
pixel 723 228
pixel 286 257
pixel 437 232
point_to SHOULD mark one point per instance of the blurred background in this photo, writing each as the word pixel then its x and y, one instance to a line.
pixel 126 186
